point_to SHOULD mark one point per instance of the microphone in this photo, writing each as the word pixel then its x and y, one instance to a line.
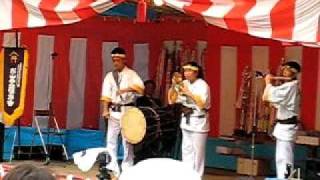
pixel 54 55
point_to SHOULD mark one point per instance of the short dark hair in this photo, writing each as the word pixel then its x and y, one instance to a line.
pixel 118 50
pixel 28 172
pixel 293 64
pixel 150 81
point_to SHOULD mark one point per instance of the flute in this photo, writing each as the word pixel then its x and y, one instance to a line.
pixel 281 78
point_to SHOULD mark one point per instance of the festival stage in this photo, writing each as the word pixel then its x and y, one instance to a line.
pixel 80 139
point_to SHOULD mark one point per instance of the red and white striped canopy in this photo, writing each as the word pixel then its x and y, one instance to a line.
pixel 40 13
pixel 285 20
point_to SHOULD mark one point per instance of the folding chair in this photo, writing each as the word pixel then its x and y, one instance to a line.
pixel 42 120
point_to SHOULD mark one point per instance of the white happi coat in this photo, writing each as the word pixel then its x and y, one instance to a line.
pixel 127 78
pixel 194 133
pixel 199 88
pixel 286 98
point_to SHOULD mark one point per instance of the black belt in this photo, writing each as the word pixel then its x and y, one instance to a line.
pixel 292 120
pixel 117 107
pixel 187 112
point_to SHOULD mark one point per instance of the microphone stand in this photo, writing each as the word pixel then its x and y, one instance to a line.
pixel 254 125
pixel 254 129
pixel 53 56
pixel 19 152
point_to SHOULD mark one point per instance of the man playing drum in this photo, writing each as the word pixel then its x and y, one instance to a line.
pixel 119 91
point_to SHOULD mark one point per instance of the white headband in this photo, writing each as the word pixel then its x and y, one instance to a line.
pixel 194 68
pixel 118 55
pixel 291 69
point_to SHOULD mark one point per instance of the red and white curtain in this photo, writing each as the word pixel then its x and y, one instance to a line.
pixel 286 20
pixel 40 13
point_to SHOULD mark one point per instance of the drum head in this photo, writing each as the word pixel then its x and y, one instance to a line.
pixel 133 125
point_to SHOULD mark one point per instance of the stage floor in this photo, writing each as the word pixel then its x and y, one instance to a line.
pixel 65 168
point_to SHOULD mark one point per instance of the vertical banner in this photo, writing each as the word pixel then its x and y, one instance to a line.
pixel 13 80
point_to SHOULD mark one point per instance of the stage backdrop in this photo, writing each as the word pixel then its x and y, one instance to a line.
pixel 83 49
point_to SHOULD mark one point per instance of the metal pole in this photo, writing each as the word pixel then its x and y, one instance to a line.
pixel 254 126
pixel 17 38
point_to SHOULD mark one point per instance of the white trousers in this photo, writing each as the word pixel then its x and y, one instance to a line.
pixel 193 149
pixel 112 145
pixel 284 156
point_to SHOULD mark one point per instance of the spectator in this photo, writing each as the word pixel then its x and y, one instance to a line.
pixel 28 172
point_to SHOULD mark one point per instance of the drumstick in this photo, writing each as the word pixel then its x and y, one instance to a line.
pixel 106 120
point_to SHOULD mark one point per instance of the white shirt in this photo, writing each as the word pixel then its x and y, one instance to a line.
pixel 160 169
pixel 127 78
pixel 86 159
pixel 199 88
pixel 286 98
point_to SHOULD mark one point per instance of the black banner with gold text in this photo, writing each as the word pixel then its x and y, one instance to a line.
pixel 13 80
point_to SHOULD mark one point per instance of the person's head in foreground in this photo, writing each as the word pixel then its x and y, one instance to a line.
pixel 28 172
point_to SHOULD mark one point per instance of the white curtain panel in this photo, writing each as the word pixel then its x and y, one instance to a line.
pixel 77 60
pixel 201 47
pixel 141 60
pixel 228 89
pixel 107 47
pixel 294 53
pixel 43 76
pixel 44 72
pixel 9 39
pixel 169 45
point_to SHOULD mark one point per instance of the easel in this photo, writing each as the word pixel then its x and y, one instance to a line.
pixel 51 127
pixel 52 122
